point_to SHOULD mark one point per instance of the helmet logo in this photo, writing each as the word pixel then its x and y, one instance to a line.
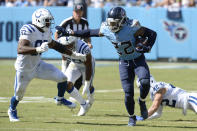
pixel 38 14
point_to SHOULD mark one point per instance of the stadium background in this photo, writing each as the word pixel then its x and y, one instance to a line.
pixel 176 39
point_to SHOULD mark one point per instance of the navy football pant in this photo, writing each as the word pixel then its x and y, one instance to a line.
pixel 128 69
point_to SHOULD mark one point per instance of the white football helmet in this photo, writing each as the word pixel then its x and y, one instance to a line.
pixel 42 18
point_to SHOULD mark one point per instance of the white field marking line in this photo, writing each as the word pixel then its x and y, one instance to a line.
pixel 32 129
pixel 42 99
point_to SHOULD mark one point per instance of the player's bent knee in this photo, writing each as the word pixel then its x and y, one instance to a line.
pixel 145 83
pixel 19 98
pixel 62 78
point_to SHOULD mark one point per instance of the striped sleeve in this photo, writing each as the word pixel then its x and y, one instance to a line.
pixel 26 31
pixel 83 47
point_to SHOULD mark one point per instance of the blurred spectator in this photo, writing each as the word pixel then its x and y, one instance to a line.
pixel 70 3
pixel 55 2
pixel 10 3
pixel 23 3
pixel 188 3
pixel 145 3
pixel 97 3
pixel 39 2
pixel 2 2
pixel 130 3
pixel 109 3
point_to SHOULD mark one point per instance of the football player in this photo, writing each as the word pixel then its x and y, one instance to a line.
pixel 35 39
pixel 78 68
pixel 165 94
pixel 131 40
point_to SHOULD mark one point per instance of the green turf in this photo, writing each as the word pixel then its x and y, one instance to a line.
pixel 108 112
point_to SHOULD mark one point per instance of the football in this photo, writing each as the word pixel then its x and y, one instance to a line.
pixel 141 40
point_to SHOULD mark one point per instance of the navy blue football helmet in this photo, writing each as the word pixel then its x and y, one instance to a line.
pixel 116 18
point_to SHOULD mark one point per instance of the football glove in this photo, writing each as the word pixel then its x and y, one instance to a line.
pixel 44 47
pixel 141 48
pixel 63 32
pixel 80 56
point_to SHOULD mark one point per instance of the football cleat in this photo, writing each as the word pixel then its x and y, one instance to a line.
pixel 65 102
pixel 13 115
pixel 84 109
pixel 132 121
pixel 143 109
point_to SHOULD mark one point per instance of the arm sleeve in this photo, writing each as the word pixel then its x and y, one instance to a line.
pixel 87 33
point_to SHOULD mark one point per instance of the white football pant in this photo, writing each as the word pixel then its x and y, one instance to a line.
pixel 43 71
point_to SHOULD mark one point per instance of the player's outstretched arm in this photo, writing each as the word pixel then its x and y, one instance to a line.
pixel 79 33
pixel 25 49
pixel 156 102
pixel 62 49
pixel 157 114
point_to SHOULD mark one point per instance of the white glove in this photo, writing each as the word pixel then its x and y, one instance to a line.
pixel 86 88
pixel 80 56
pixel 44 47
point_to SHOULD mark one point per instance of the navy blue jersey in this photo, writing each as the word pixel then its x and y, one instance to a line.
pixel 124 40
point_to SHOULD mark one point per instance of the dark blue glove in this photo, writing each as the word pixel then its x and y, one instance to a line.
pixel 139 118
pixel 141 48
pixel 62 31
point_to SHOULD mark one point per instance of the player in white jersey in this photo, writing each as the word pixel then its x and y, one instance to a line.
pixel 77 67
pixel 35 39
pixel 165 94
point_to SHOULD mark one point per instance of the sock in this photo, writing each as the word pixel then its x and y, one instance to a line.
pixel 13 103
pixel 92 90
pixel 75 94
pixel 61 88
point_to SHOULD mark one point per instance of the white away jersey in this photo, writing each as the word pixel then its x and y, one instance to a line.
pixel 173 97
pixel 31 33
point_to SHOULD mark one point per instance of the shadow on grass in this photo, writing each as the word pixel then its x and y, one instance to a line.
pixel 87 123
pixel 109 115
pixel 158 126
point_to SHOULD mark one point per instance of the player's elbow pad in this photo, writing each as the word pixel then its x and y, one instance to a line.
pixel 87 33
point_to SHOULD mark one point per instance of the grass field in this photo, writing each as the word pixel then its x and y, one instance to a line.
pixel 38 112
